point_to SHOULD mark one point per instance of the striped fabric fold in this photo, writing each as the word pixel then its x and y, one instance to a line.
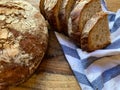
pixel 100 69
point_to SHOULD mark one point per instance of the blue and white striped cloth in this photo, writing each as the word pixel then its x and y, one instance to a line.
pixel 98 70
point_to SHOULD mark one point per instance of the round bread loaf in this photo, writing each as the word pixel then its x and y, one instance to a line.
pixel 23 41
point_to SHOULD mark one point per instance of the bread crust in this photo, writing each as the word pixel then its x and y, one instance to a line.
pixel 23 41
pixel 41 7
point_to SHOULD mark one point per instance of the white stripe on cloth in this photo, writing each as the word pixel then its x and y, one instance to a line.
pixel 111 84
pixel 75 62
pixel 85 87
pixel 117 14
pixel 98 53
pixel 115 35
pixel 106 76
pixel 99 66
pixel 111 24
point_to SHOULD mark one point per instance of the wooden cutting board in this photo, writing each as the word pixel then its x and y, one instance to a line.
pixel 54 72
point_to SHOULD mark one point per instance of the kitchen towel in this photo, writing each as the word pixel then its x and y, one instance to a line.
pixel 100 69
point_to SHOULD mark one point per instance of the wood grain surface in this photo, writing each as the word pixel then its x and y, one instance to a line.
pixel 54 72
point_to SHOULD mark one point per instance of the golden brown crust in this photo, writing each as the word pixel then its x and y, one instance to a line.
pixel 23 40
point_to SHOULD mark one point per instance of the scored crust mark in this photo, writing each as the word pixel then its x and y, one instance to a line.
pixel 9 5
pixel 23 40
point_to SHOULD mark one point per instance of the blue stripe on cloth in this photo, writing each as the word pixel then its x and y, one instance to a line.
pixel 104 4
pixel 111 17
pixel 114 45
pixel 69 51
pixel 82 78
pixel 106 76
pixel 88 61
pixel 116 25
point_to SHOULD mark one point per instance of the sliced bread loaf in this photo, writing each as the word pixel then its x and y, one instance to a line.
pixel 82 12
pixel 96 34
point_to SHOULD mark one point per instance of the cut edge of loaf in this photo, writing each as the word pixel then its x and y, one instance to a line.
pixel 93 38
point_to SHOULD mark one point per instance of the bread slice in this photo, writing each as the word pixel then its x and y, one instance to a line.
pixel 51 11
pixel 96 33
pixel 82 12
pixel 64 14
